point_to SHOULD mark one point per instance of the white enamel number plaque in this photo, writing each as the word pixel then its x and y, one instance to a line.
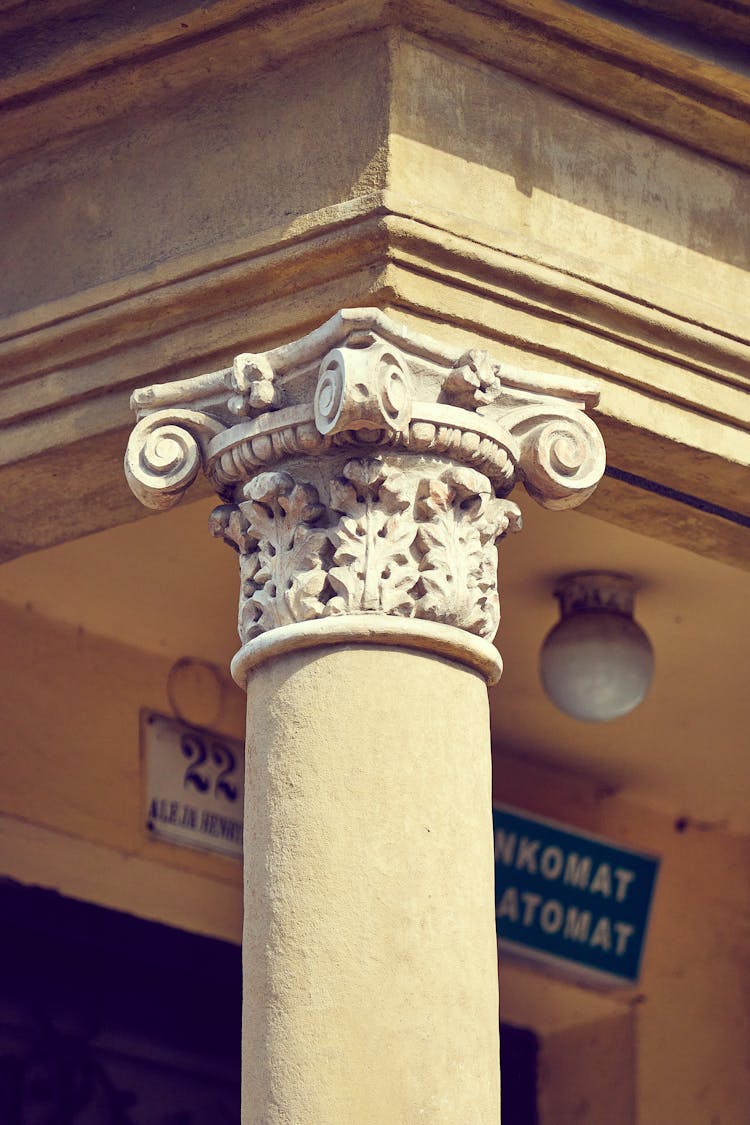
pixel 194 785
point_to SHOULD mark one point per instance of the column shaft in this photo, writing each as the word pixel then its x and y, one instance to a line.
pixel 369 945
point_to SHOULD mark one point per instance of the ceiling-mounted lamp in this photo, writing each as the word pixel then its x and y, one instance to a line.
pixel 596 664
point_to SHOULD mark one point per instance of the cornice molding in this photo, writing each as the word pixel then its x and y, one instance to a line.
pixel 66 371
pixel 584 56
pixel 367 232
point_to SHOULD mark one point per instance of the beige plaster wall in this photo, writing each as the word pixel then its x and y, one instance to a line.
pixel 578 242
pixel 587 1074
pixel 71 800
pixel 691 1011
pixel 221 192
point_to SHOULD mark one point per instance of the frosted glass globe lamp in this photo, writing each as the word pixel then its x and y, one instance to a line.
pixel 596 664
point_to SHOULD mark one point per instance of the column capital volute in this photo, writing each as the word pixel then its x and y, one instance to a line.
pixel 364 471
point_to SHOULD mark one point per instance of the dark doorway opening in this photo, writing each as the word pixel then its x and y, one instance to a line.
pixel 106 1019
pixel 518 1065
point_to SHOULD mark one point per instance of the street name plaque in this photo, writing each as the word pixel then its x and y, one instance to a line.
pixel 194 785
pixel 570 900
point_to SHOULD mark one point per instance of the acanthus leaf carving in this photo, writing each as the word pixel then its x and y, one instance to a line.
pixel 402 542
pixel 227 522
pixel 431 437
pixel 373 566
pixel 285 581
pixel 460 523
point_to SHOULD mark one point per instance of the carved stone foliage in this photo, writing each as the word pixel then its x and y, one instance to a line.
pixel 281 516
pixel 474 381
pixel 460 523
pixel 414 540
pixel 282 552
pixel 366 469
pixel 374 567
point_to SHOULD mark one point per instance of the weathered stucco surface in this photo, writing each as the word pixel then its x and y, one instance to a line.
pixel 72 806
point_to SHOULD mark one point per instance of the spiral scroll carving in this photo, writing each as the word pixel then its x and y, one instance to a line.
pixel 363 388
pixel 329 394
pixel 562 455
pixel 164 454
pixel 364 383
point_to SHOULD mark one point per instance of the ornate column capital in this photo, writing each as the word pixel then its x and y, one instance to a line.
pixel 364 472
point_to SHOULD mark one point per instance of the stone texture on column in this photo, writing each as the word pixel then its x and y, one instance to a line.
pixel 369 940
pixel 365 472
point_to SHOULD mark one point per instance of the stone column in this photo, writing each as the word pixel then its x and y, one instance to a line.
pixel 364 472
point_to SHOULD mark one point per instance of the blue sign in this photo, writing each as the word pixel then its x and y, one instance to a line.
pixel 570 898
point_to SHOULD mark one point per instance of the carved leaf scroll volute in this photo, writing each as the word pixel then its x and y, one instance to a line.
pixel 289 578
pixel 461 520
pixel 374 568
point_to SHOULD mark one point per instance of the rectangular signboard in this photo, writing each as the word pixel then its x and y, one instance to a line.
pixel 570 899
pixel 194 785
